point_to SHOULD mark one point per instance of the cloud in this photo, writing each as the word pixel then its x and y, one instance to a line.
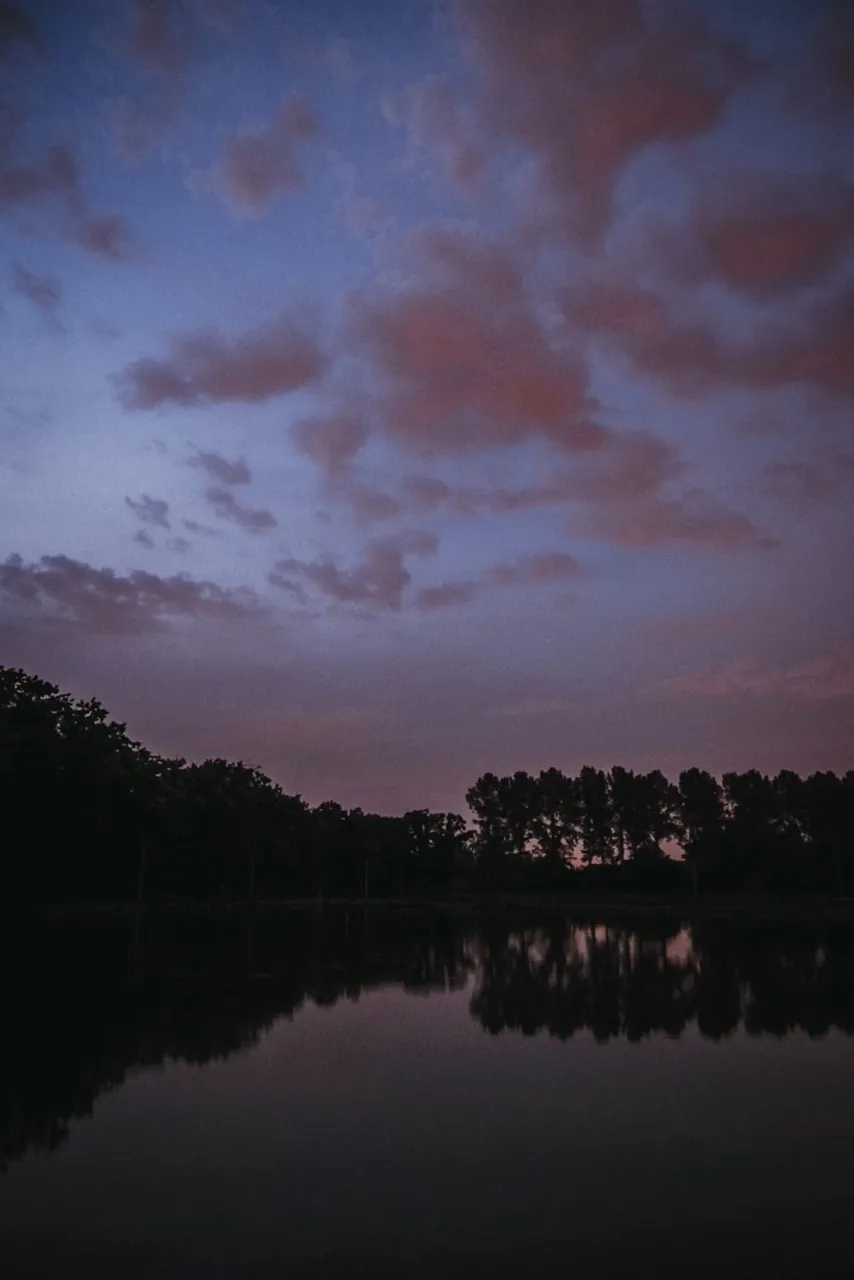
pixel 259 166
pixel 221 469
pixel 16 27
pixel 226 507
pixel 695 517
pixel 331 441
pixel 150 510
pixel 623 497
pixel 106 235
pixel 758 232
pixel 621 309
pixel 825 677
pixel 446 595
pixel 807 484
pixel 194 526
pixel 631 493
pixel 757 252
pixel 542 566
pixel 692 357
pixel 838 48
pixel 369 506
pixel 43 292
pixel 363 215
pixel 377 580
pixel 154 37
pixel 209 368
pixel 335 56
pixel 144 538
pixel 461 361
pixel 584 88
pixel 534 708
pixel 133 130
pixel 102 602
pixel 437 124
pixel 56 175
pixel 538 568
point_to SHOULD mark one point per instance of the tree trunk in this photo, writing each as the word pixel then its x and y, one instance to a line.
pixel 140 884
pixel 252 878
pixel 367 885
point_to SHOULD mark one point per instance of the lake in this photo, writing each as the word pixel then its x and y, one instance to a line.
pixel 416 1094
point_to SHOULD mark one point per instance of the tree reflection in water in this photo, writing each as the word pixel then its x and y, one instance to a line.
pixel 84 1007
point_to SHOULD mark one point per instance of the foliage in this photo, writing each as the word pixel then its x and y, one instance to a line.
pixel 90 815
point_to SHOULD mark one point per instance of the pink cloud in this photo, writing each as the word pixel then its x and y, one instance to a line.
pixel 226 507
pixel 100 601
pixel 43 292
pixel 445 596
pixel 259 166
pixel 459 375
pixel 838 48
pixel 377 580
pixel 542 566
pixel 692 357
pixel 760 233
pixel 623 496
pixel 586 87
pixel 154 38
pixel 752 254
pixel 437 124
pixel 807 484
pixel 56 173
pixel 630 493
pixel 134 131
pixel 538 568
pixel 620 309
pixel 208 368
pixel 150 510
pixel 221 469
pixel 16 27
pixel 331 441
pixel 206 531
pixel 825 677
pixel 370 506
pixel 107 236
pixel 696 517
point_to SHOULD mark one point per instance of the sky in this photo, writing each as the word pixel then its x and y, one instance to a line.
pixel 401 390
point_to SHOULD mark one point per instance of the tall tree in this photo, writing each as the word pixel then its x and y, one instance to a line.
pixel 700 820
pixel 557 816
pixel 596 817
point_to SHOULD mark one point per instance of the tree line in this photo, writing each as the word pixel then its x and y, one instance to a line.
pixel 84 1006
pixel 90 815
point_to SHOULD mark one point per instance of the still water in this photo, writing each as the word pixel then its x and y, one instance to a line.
pixel 415 1095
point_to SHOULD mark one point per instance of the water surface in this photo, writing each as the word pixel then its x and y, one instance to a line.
pixel 408 1094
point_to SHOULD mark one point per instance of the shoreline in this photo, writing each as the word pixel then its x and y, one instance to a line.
pixel 758 909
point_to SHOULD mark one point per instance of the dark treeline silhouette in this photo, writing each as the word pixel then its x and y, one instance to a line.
pixel 89 815
pixel 85 1005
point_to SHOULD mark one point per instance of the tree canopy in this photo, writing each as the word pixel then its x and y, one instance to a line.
pixel 88 814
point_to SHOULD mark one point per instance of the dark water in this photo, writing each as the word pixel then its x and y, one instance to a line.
pixel 408 1095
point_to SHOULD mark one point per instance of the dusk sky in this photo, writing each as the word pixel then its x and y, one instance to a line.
pixel 393 391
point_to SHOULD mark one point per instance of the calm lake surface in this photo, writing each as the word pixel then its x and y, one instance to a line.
pixel 405 1094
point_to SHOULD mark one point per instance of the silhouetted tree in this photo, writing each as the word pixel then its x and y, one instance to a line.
pixel 89 814
pixel 596 816
pixel 701 820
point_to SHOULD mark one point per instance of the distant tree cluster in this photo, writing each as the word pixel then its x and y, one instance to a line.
pixel 90 815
